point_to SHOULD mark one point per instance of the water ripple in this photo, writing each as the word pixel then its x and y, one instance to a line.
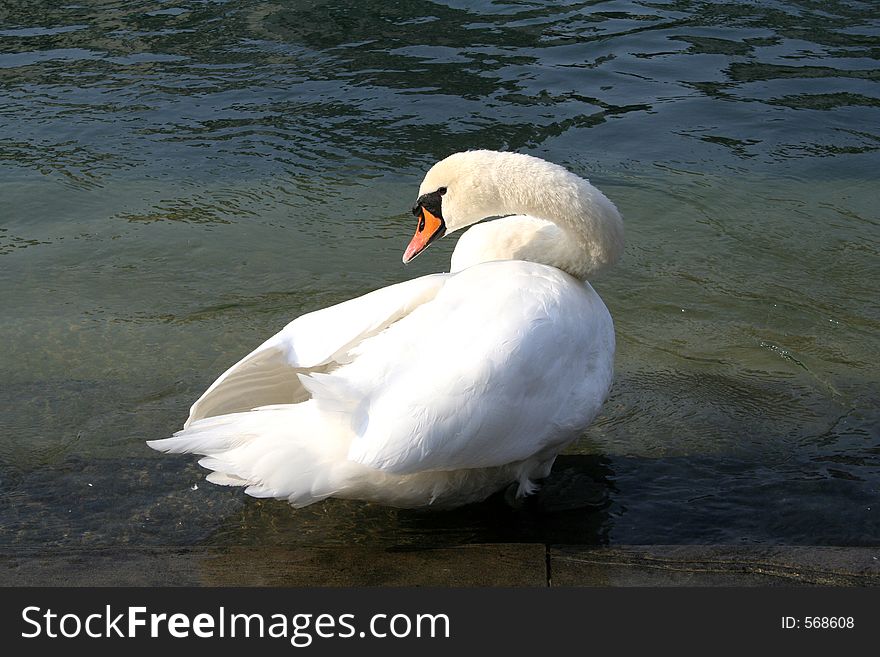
pixel 178 180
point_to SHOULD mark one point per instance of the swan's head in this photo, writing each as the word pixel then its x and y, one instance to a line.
pixel 457 191
pixel 471 186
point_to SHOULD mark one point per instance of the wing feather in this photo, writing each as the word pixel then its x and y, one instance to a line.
pixel 311 343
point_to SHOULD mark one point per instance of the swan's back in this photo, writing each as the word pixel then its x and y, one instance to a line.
pixel 508 360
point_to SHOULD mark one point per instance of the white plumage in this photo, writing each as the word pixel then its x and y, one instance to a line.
pixel 443 389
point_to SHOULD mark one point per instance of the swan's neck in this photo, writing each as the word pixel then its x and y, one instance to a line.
pixel 561 219
pixel 518 238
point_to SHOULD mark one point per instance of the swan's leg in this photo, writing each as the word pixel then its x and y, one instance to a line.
pixel 511 498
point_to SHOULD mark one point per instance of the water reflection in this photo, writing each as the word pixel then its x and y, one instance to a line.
pixel 100 503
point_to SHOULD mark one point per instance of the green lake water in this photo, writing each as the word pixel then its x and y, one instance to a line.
pixel 180 179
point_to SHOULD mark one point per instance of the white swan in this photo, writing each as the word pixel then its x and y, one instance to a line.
pixel 443 389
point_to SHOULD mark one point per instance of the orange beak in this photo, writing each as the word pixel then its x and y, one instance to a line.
pixel 429 229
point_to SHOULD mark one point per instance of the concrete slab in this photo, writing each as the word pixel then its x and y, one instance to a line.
pixel 470 565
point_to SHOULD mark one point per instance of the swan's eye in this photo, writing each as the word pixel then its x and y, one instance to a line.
pixel 441 191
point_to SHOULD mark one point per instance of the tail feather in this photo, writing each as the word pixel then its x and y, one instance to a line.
pixel 299 453
pixel 283 451
pixel 222 479
pixel 208 436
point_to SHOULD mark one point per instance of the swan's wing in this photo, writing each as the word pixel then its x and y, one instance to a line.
pixel 509 359
pixel 269 374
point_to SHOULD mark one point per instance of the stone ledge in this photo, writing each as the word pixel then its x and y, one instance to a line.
pixel 522 564
pixel 489 565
